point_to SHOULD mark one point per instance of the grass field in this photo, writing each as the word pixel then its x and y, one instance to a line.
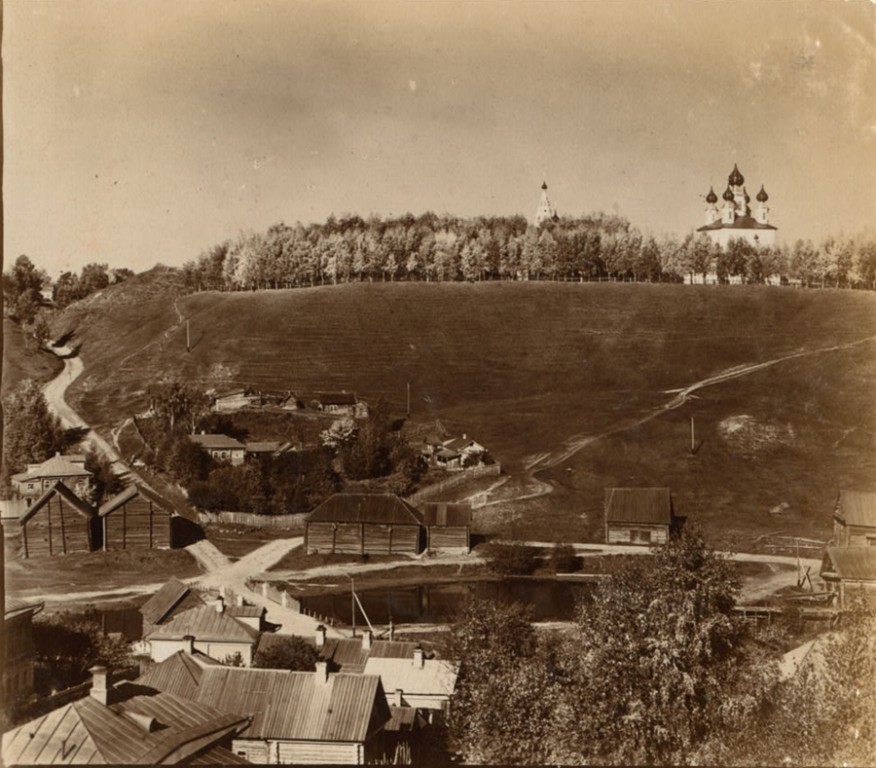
pixel 525 366
pixel 23 360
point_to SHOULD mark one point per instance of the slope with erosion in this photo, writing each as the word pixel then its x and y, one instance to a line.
pixel 522 366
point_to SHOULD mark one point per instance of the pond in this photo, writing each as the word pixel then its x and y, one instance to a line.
pixel 439 603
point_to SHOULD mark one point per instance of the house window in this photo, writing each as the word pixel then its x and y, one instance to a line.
pixel 640 537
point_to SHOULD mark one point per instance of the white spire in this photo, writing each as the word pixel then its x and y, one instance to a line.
pixel 545 211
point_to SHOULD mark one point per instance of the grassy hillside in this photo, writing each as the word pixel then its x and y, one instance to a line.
pixel 525 366
pixel 22 359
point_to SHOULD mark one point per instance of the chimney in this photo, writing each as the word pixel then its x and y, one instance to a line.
pixel 418 657
pixel 320 636
pixel 321 672
pixel 99 687
pixel 397 698
pixel 367 637
pixel 464 436
pixel 391 630
pixel 189 644
pixel 145 722
pixel 220 604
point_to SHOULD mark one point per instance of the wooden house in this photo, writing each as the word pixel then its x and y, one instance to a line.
pixel 235 400
pixel 38 478
pixel 337 403
pixel 448 527
pixel 472 451
pixel 137 518
pixel 296 717
pixel 59 523
pixel 223 449
pixel 638 515
pixel 364 524
pixel 850 571
pixel 854 519
pixel 416 681
pixel 173 598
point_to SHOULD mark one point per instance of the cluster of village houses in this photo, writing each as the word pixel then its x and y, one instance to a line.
pixel 369 699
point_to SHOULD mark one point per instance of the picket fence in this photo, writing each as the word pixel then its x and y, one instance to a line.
pixel 458 478
pixel 253 520
pixel 283 598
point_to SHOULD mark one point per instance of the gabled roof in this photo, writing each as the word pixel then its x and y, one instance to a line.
pixel 157 607
pixel 205 623
pixel 58 466
pixel 648 506
pixel 264 446
pixel 131 492
pixel 437 677
pixel 15 607
pixel 446 514
pixel 233 393
pixel 857 508
pixel 740 222
pixel 179 673
pixel 87 731
pixel 217 442
pixel 460 443
pixel 850 563
pixel 296 706
pixel 337 398
pixel 379 508
pixel 59 489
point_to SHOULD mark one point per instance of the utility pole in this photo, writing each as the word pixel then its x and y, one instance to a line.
pixel 353 605
pixel 188 338
pixel 693 444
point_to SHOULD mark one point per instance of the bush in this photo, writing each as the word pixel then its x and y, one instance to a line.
pixel 512 559
pixel 564 559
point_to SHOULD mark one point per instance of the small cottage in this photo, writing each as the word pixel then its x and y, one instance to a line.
pixel 849 572
pixel 854 519
pixel 235 400
pixel 137 518
pixel 364 523
pixel 59 523
pixel 448 527
pixel 38 478
pixel 223 449
pixel 337 403
pixel 416 681
pixel 638 515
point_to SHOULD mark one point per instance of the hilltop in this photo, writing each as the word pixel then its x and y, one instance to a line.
pixel 526 366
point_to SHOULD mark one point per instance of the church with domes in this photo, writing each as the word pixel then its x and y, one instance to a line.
pixel 734 217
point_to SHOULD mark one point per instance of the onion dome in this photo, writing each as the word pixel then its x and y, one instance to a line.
pixel 762 196
pixel 544 185
pixel 728 195
pixel 736 179
pixel 711 198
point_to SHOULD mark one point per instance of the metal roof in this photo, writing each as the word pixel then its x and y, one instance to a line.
pixel 646 506
pixel 443 513
pixel 740 222
pixel 205 623
pixel 263 446
pixel 15 607
pixel 379 508
pixel 437 677
pixel 82 507
pixel 89 732
pixel 157 607
pixel 217 442
pixel 59 466
pixel 179 673
pixel 850 563
pixel 131 492
pixel 460 443
pixel 857 508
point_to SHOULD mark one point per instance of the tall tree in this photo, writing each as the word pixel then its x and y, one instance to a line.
pixel 31 432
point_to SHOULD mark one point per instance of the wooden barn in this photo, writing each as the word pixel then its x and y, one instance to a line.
pixel 59 523
pixel 638 515
pixel 448 527
pixel 854 519
pixel 850 573
pixel 137 518
pixel 364 524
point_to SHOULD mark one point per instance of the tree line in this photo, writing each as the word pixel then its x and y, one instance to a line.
pixel 445 248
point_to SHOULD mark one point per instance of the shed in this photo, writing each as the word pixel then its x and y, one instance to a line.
pixel 848 571
pixel 364 523
pixel 59 523
pixel 137 518
pixel 638 515
pixel 448 527
pixel 854 519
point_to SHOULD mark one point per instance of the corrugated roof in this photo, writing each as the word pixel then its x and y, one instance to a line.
pixel 217 442
pixel 437 677
pixel 379 508
pixel 179 673
pixel 88 732
pixel 59 489
pixel 648 506
pixel 157 607
pixel 459 443
pixel 131 492
pixel 851 563
pixel 59 466
pixel 205 623
pixel 295 705
pixel 857 508
pixel 442 513
pixel 246 611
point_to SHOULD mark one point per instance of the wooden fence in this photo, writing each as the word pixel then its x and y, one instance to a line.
pixel 282 597
pixel 252 520
pixel 457 478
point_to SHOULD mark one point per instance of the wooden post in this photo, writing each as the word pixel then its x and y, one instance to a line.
pixel 188 338
pixel 409 400
pixel 353 605
pixel 693 444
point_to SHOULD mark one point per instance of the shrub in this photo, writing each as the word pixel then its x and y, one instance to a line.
pixel 512 559
pixel 564 559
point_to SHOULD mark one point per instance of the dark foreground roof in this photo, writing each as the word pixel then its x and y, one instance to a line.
pixel 160 605
pixel 857 508
pixel 648 506
pixel 379 508
pixel 851 563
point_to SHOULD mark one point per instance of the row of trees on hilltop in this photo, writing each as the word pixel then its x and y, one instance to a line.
pixel 442 248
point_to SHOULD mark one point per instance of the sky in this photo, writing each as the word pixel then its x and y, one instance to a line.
pixel 138 133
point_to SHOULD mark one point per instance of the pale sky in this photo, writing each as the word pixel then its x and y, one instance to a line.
pixel 144 132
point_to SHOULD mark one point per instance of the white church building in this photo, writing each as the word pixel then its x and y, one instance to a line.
pixel 545 210
pixel 734 218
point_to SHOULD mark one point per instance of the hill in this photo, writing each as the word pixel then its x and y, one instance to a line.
pixel 524 367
